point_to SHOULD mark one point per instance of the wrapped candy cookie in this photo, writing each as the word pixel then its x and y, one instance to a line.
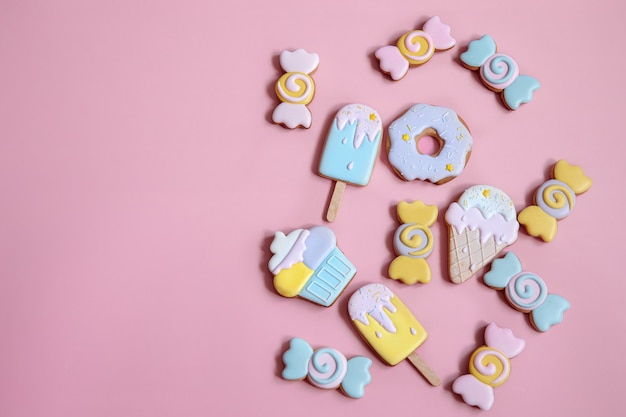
pixel 526 292
pixel 554 200
pixel 499 72
pixel 295 89
pixel 489 367
pixel 326 368
pixel 414 48
pixel 413 242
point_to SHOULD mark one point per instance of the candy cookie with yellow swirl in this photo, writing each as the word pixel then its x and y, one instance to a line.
pixel 489 367
pixel 413 242
pixel 554 200
pixel 295 88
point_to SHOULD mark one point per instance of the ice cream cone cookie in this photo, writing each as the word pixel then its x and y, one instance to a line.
pixel 499 72
pixel 442 124
pixel 326 368
pixel 413 242
pixel 295 89
pixel 307 263
pixel 489 367
pixel 415 48
pixel 480 225
pixel 554 200
pixel 388 326
pixel 526 292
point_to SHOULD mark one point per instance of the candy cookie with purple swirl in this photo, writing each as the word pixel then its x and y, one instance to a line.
pixel 554 200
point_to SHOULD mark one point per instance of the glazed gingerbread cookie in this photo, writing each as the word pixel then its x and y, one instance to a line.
pixel 480 225
pixel 499 72
pixel 415 48
pixel 554 200
pixel 526 292
pixel 413 242
pixel 295 89
pixel 489 367
pixel 350 151
pixel 326 368
pixel 389 327
pixel 441 123
pixel 308 264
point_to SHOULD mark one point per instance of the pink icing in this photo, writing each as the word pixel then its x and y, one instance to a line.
pixel 504 340
pixel 439 32
pixel 392 61
pixel 497 226
pixel 473 391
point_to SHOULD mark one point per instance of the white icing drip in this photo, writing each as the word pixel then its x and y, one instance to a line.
pixel 373 300
pixel 367 120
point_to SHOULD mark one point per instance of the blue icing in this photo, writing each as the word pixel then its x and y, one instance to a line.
pixel 357 376
pixel 502 270
pixel 320 242
pixel 550 312
pixel 478 51
pixel 520 91
pixel 329 279
pixel 342 161
pixel 296 359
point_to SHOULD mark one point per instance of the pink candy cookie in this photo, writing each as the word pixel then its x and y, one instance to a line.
pixel 415 48
pixel 489 367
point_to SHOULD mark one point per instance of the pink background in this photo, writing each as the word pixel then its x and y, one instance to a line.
pixel 142 182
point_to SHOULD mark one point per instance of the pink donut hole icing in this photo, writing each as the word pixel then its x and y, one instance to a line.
pixel 428 145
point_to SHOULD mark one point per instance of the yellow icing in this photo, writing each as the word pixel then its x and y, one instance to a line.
pixel 423 46
pixel 289 282
pixel 415 241
pixel 394 347
pixel 449 167
pixel 538 223
pixel 561 197
pixel 486 193
pixel 493 358
pixel 406 137
pixel 572 175
pixel 410 270
pixel 372 116
pixel 303 95
pixel 417 212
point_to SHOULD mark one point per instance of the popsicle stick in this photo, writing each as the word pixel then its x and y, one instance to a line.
pixel 335 201
pixel 424 369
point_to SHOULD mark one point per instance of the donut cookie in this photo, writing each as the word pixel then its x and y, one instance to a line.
pixel 413 242
pixel 415 48
pixel 554 200
pixel 480 225
pixel 307 263
pixel 326 368
pixel 499 72
pixel 526 292
pixel 295 89
pixel 489 367
pixel 441 123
